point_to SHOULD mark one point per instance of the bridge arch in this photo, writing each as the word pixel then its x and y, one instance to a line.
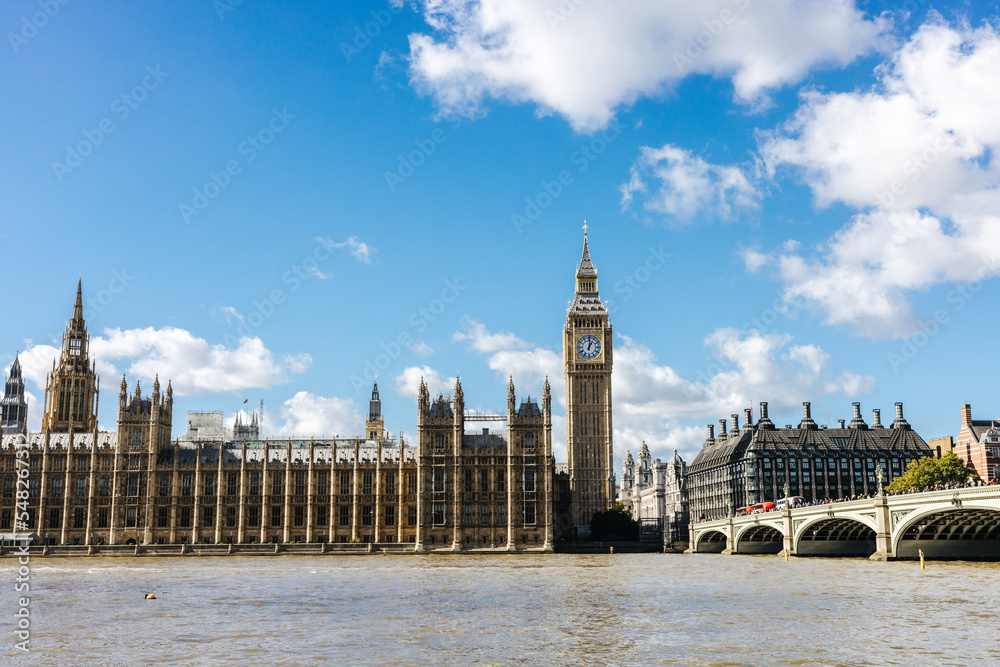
pixel 711 542
pixel 759 539
pixel 968 531
pixel 843 535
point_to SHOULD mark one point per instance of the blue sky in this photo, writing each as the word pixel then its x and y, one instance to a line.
pixel 787 201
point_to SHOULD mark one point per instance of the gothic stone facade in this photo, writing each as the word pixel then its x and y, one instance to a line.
pixel 588 357
pixel 471 481
pixel 137 487
pixel 654 490
pixel 484 480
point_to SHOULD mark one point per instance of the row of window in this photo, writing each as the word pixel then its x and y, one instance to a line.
pixel 439 514
pixel 230 516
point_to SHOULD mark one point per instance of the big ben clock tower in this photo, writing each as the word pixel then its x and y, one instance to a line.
pixel 587 360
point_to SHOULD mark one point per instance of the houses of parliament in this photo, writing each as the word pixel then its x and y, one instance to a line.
pixel 472 481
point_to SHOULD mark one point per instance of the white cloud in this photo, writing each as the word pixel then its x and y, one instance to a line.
pixel 653 402
pixel 306 415
pixel 193 365
pixel 360 250
pixel 687 185
pixel 483 341
pixel 915 154
pixel 421 349
pixel 584 61
pixel 408 382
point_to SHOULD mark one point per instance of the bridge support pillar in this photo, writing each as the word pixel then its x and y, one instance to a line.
pixel 730 541
pixel 788 538
pixel 690 549
pixel 883 534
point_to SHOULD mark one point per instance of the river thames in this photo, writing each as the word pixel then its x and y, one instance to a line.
pixel 642 609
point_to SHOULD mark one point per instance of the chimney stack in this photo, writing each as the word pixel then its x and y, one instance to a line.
pixel 711 432
pixel 722 428
pixel 807 420
pixel 900 421
pixel 966 414
pixel 877 418
pixel 764 422
pixel 840 423
pixel 856 420
pixel 748 416
pixel 736 422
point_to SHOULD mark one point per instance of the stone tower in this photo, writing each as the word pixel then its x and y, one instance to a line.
pixel 374 424
pixel 14 407
pixel 144 424
pixel 587 361
pixel 71 388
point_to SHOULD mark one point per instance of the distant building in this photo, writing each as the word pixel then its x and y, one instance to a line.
pixel 248 432
pixel 654 491
pixel 14 407
pixel 978 444
pixel 941 446
pixel 754 464
pixel 206 427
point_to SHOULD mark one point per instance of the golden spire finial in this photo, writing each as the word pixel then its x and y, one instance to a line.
pixel 585 228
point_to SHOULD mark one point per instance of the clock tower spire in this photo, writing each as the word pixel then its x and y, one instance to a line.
pixel 587 361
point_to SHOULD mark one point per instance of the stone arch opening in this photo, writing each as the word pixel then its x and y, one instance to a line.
pixel 837 536
pixel 965 533
pixel 760 540
pixel 130 542
pixel 712 542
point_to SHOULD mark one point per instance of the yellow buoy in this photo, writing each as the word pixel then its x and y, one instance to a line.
pixel 150 596
pixel 786 555
pixel 921 552
pixel 612 549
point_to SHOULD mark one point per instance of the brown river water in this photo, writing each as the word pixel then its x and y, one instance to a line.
pixel 622 609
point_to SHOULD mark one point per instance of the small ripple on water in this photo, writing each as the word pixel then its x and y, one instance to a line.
pixel 510 610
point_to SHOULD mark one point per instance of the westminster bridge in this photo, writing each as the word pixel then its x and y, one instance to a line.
pixel 954 523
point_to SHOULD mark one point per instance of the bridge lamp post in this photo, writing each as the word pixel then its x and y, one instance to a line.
pixel 878 476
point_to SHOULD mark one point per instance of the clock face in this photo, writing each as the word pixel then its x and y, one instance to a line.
pixel 588 347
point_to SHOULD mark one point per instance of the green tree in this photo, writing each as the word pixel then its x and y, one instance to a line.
pixel 614 524
pixel 930 471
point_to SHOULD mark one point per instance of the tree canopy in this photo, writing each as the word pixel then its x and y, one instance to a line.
pixel 614 524
pixel 928 472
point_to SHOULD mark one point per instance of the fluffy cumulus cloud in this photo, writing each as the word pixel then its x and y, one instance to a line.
pixel 193 365
pixel 583 60
pixel 685 186
pixel 511 356
pixel 653 403
pixel 306 415
pixel 656 405
pixel 916 156
pixel 408 382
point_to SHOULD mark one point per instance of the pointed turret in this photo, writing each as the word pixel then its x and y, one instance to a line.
pixel 71 389
pixel 423 398
pixel 14 407
pixel 459 397
pixel 78 306
pixel 586 300
pixel 374 424
pixel 511 401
